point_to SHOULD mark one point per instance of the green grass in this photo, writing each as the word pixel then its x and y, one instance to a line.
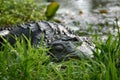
pixel 20 11
pixel 24 62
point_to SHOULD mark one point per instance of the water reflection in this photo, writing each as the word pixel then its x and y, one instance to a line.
pixel 74 6
pixel 74 12
pixel 81 14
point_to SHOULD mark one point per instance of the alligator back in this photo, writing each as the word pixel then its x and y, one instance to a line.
pixel 51 31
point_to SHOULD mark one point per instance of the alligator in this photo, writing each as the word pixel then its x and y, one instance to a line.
pixel 58 37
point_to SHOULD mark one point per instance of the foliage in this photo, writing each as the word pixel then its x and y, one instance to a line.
pixel 23 62
pixel 19 11
pixel 51 10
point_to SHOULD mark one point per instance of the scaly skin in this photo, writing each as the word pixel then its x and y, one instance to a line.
pixel 60 39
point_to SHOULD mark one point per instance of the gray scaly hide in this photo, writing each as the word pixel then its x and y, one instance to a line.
pixel 60 39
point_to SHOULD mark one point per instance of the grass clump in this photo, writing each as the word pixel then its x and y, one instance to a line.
pixel 20 11
pixel 23 62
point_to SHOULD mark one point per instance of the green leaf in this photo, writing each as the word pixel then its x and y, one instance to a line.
pixel 51 10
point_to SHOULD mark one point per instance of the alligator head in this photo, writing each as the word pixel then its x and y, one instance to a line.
pixel 66 49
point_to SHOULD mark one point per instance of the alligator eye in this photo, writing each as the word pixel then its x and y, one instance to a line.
pixel 58 47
